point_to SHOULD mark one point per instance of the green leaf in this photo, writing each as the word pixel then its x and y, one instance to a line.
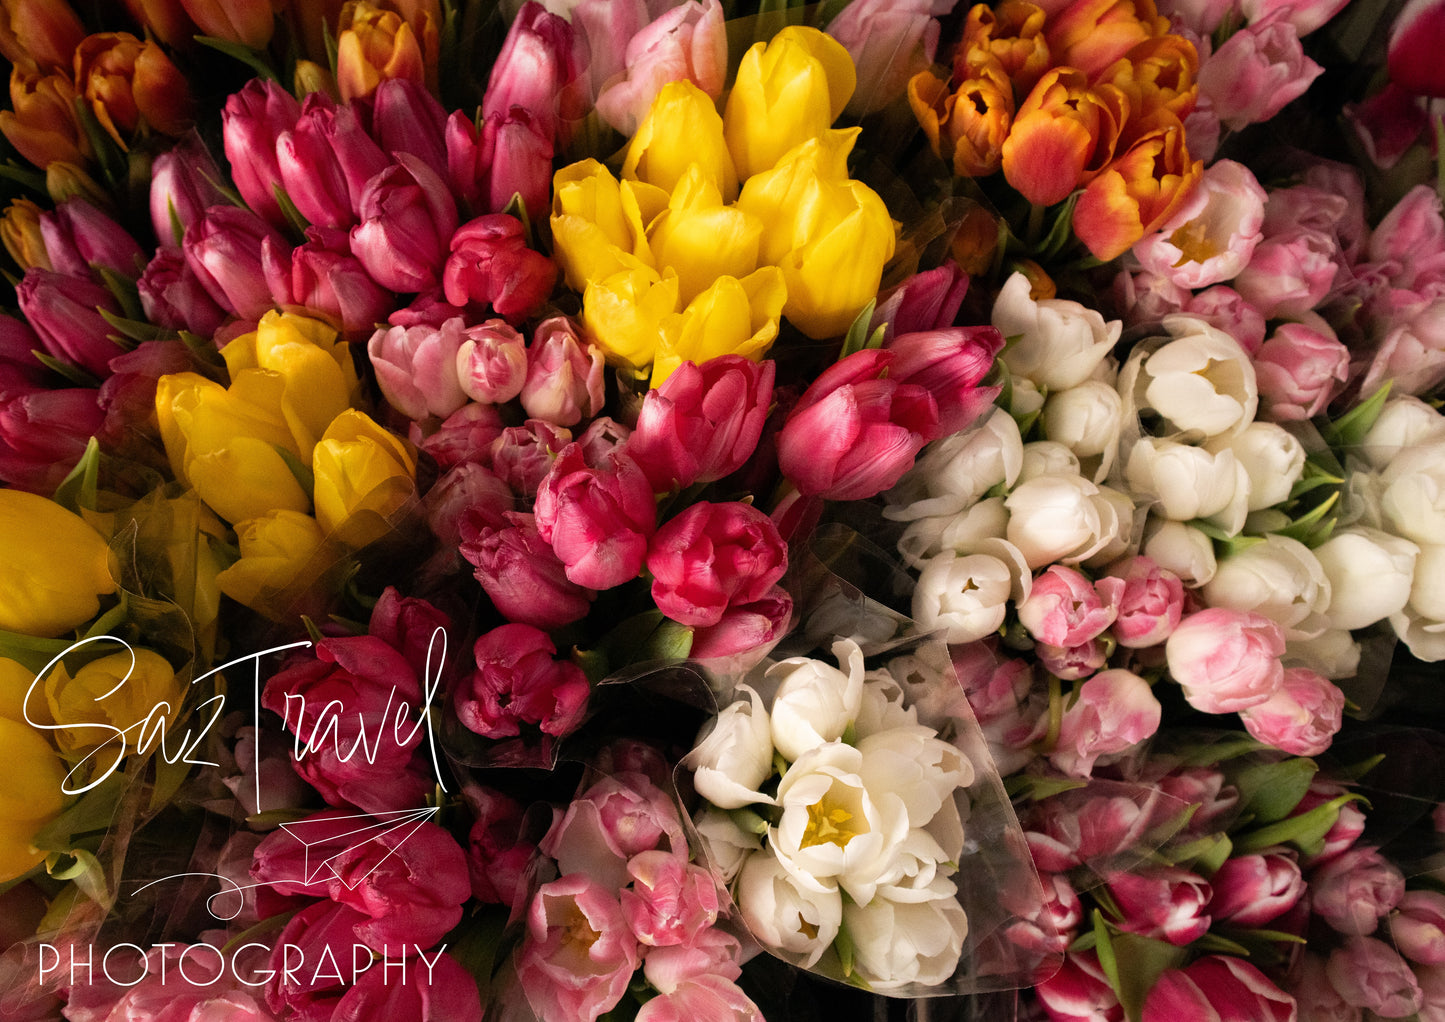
pixel 293 216
pixel 125 292
pixel 477 943
pixel 304 476
pixel 91 813
pixel 72 372
pixel 135 329
pixel 84 869
pixel 1061 231
pixel 843 945
pixel 1104 948
pixel 1214 942
pixel 1231 747
pixel 78 489
pixel 1140 963
pixel 28 177
pixel 1349 429
pixel 1313 528
pixel 1306 831
pixel 1036 788
pixel 670 641
pixel 1270 791
pixel 253 59
pixel 1204 854
pixel 856 339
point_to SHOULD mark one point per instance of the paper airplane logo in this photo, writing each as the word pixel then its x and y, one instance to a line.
pixel 319 837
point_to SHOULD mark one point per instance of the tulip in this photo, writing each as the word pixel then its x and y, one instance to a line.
pixel 855 430
pixel 598 516
pixel 537 70
pixel 1411 59
pixel 687 42
pixel 700 239
pixel 1252 890
pixel 322 278
pixel 65 313
pixel 173 297
pixel 364 476
pixel 1300 369
pixel 577 954
pixel 375 44
pixel 44 433
pixel 624 314
pixel 466 436
pixel 1093 34
pixel 280 556
pixel 1256 72
pixel 251 123
pixel 41 123
pixel 598 223
pixel 732 317
pixel 712 556
pixel 1063 136
pixel 224 250
pixel 20 230
pixel 564 375
pixel 966 126
pixel 1137 192
pixel 490 262
pixel 109 695
pixel 604 29
pixel 37 34
pixel 682 130
pixel 889 44
pixel 518 158
pixel 949 363
pixel 1219 986
pixel 324 160
pixel 491 363
pixel 249 22
pixel 408 217
pixel 1079 989
pixel 1289 274
pixel 521 575
pixel 788 91
pixel 416 368
pixel 31 799
pixel 1368 973
pixel 523 455
pixel 1226 660
pixel 703 422
pixel 127 82
pixel 1418 927
pixel 519 681
pixel 745 628
pixel 185 181
pixel 406 118
pixel 79 237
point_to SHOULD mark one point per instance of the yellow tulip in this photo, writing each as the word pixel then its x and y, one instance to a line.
pixel 15 682
pixel 599 224
pixel 20 233
pixel 682 130
pixel 701 239
pixel 30 797
pixel 55 566
pixel 732 317
pixel 830 237
pixel 315 363
pixel 787 91
pixel 113 694
pixel 278 561
pixel 364 475
pixel 623 314
pixel 226 443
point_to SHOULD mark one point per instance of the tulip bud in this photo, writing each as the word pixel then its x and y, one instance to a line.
pixel 322 278
pixel 732 317
pixel 42 123
pixel 65 313
pixel 57 566
pixel 20 230
pixel 406 118
pixel 465 436
pixel 518 158
pixel 127 82
pixel 173 297
pixel 537 70
pixel 44 433
pixel 80 239
pixel 32 796
pixel 492 362
pixel 523 455
pixel 521 574
pixel 184 184
pixel 564 376
pixel 682 129
pixel 416 368
pixel 39 34
pixel 686 42
pixel 712 556
pixel 251 122
pixel 108 695
pixel 598 515
pixel 375 44
pixel 364 476
pixel 248 22
pixel 490 262
pixel 324 160
pixel 224 249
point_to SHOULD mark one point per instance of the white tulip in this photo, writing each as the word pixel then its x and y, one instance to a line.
pixel 900 943
pixel 725 844
pixel 1370 574
pixel 1272 457
pixel 885 706
pixel 782 914
pixel 815 702
pixel 1047 458
pixel 1189 482
pixel 1056 518
pixel 1333 653
pixel 1200 380
pixel 1087 419
pixel 1278 577
pixel 733 755
pixel 1413 498
pixel 1182 549
pixel 965 596
pixel 956 471
pixel 1058 343
pixel 925 770
pixel 1403 422
pixel 1425 637
pixel 1427 591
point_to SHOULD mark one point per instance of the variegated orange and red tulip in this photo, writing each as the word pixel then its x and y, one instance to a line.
pixel 1138 191
pixel 1063 136
pixel 966 126
pixel 1091 34
pixel 1157 75
pixel 1013 34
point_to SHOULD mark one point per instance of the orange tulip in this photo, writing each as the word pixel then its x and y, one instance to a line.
pixel 167 20
pixel 39 34
pixel 248 22
pixel 377 43
pixel 1063 136
pixel 1013 34
pixel 20 233
pixel 127 83
pixel 41 123
pixel 1091 34
pixel 966 127
pixel 1138 192
pixel 1157 75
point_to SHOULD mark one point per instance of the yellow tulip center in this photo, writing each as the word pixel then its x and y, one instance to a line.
pixel 828 823
pixel 1193 242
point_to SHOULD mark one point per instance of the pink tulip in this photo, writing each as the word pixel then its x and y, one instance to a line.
pixel 712 556
pixel 441 991
pixel 1165 902
pixel 521 574
pixel 491 363
pixel 1304 15
pixel 466 435
pixel 925 301
pixel 577 955
pixel 184 183
pixel 416 368
pixel 1349 824
pixel 498 849
pixel 1256 72
pixel 408 217
pixel 1064 608
pixel 43 434
pixel 599 517
pixel 685 43
pixel 323 279
pixel 1046 927
pixel 855 431
pixel 745 627
pixel 1217 986
pixel 1252 890
pixel 518 158
pixel 320 929
pixel 537 70
pixel 1414 57
pixel 224 248
pixel 78 237
pixel 406 118
pixel 518 681
pixel 564 382
pixel 412 626
pixel 1204 788
pixel 251 122
pixel 1418 927
pixel 1226 660
pixel 1300 369
pixel 703 422
pixel 1303 715
pixel 704 997
pixel 949 363
pixel 670 902
pixel 1370 974
pixel 622 815
pixel 523 455
pixel 489 261
pixel 65 314
pixel 325 161
pixel 1411 353
pixel 1071 663
pixel 889 42
pixel 1289 274
pixel 1410 240
pixel 1150 605
pixel 1114 711
pixel 1354 890
pixel 1225 308
pixel 1080 991
pixel 173 297
pixel 463 487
